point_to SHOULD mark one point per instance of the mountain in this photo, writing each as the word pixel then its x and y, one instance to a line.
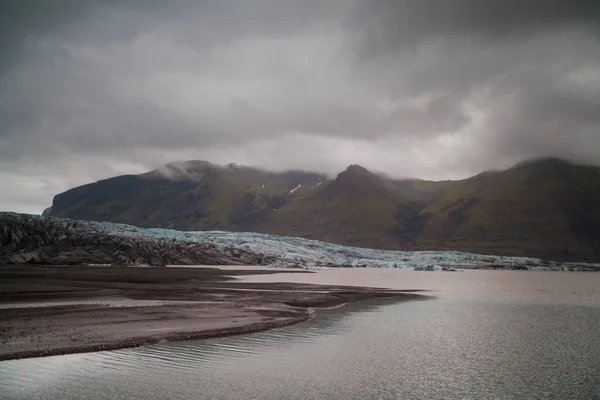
pixel 547 208
pixel 358 208
pixel 193 195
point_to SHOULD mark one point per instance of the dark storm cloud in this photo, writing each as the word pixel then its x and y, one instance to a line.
pixel 20 19
pixel 436 89
pixel 390 23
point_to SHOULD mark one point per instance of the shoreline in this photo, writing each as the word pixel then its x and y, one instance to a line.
pixel 138 342
pixel 123 307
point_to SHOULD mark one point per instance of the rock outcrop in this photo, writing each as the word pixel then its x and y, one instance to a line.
pixel 48 240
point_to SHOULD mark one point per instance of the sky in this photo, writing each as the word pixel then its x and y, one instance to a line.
pixel 435 89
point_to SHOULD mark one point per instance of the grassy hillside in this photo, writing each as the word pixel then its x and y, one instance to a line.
pixel 545 208
pixel 424 192
pixel 548 208
pixel 187 196
pixel 358 208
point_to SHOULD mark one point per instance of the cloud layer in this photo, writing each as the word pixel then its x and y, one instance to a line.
pixel 435 89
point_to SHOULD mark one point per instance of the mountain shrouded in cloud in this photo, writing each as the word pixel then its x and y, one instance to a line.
pixel 544 208
pixel 436 89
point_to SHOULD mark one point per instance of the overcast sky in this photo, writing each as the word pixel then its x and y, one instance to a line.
pixel 437 89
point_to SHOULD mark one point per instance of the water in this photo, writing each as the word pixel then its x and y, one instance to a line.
pixel 485 335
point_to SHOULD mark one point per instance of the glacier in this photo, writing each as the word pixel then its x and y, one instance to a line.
pixel 292 252
pixel 135 245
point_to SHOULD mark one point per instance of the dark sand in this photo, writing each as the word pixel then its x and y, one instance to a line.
pixel 49 310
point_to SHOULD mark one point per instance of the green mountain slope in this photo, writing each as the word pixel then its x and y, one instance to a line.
pixel 192 195
pixel 547 208
pixel 358 208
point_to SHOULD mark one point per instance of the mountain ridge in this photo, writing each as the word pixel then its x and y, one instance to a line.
pixel 543 208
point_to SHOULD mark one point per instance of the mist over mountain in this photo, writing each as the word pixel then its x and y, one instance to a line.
pixel 544 208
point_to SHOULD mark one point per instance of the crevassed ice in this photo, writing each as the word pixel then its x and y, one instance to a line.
pixel 290 251
pixel 295 251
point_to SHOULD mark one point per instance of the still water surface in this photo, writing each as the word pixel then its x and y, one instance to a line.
pixel 485 335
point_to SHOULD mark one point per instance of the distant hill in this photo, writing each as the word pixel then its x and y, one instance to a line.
pixel 547 208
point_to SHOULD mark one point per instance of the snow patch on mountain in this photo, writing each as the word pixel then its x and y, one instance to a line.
pixel 316 185
pixel 294 189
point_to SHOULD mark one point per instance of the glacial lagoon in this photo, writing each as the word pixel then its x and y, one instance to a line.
pixel 480 335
